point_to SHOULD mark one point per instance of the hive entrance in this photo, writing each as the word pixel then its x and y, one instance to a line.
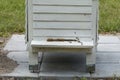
pixel 61 40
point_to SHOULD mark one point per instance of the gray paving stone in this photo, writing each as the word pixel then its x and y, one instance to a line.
pixel 108 58
pixel 54 67
pixel 59 65
pixel 21 71
pixel 108 48
pixel 63 62
pixel 20 57
pixel 59 78
pixel 107 70
pixel 108 40
pixel 64 74
pixel 105 62
pixel 118 37
pixel 16 43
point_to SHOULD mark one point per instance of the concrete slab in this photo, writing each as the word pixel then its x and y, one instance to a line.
pixel 63 62
pixel 108 58
pixel 16 43
pixel 107 70
pixel 69 65
pixel 118 35
pixel 102 71
pixel 21 71
pixel 64 75
pixel 106 66
pixel 108 39
pixel 52 65
pixel 20 57
pixel 108 48
pixel 72 65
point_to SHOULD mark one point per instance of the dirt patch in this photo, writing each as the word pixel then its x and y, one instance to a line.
pixel 7 65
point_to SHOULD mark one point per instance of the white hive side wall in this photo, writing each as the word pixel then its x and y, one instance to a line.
pixel 62 19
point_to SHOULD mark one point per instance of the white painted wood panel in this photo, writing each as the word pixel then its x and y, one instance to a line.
pixel 81 38
pixel 45 44
pixel 63 2
pixel 62 9
pixel 62 25
pixel 38 32
pixel 62 17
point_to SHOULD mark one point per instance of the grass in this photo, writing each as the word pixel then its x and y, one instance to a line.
pixel 109 16
pixel 12 15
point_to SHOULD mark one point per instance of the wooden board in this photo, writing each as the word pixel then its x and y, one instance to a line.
pixel 37 32
pixel 62 17
pixel 46 44
pixel 63 2
pixel 44 38
pixel 62 9
pixel 63 25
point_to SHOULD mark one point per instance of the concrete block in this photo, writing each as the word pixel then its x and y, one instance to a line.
pixel 21 71
pixel 68 65
pixel 16 43
pixel 108 39
pixel 64 62
pixel 108 48
pixel 20 57
pixel 118 35
pixel 107 70
pixel 108 58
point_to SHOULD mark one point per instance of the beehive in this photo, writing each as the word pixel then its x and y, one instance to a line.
pixel 61 26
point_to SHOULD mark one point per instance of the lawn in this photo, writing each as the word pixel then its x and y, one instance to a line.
pixel 109 16
pixel 12 16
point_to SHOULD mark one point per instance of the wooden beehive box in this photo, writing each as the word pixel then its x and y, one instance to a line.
pixel 52 25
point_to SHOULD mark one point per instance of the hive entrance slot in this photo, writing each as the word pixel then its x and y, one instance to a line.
pixel 61 40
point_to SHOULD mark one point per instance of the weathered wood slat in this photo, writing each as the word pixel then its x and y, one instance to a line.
pixel 62 17
pixel 37 32
pixel 56 45
pixel 81 38
pixel 62 9
pixel 63 2
pixel 62 25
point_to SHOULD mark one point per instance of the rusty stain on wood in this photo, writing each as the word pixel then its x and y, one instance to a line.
pixel 50 40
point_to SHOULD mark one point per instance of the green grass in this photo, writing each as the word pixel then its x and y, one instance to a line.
pixel 109 16
pixel 11 17
pixel 12 14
